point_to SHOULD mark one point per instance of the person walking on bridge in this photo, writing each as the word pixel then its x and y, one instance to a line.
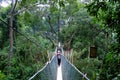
pixel 59 52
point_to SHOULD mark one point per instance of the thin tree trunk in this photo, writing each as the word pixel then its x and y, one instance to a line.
pixel 11 42
pixel 11 34
pixel 58 29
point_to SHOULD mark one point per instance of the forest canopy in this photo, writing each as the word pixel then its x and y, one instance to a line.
pixel 30 29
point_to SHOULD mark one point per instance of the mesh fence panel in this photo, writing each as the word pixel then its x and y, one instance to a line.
pixel 48 72
pixel 70 72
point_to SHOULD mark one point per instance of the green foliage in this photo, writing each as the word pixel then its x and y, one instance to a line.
pixel 26 3
pixel 3 28
pixel 38 26
pixel 111 64
pixel 87 66
pixel 27 59
pixel 2 76
pixel 107 14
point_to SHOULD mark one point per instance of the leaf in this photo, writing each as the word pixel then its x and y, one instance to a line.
pixel 109 56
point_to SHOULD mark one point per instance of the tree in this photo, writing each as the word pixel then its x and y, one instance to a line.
pixel 107 13
pixel 12 27
pixel 13 6
pixel 36 25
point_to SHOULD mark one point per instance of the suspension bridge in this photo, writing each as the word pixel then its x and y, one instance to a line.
pixel 64 71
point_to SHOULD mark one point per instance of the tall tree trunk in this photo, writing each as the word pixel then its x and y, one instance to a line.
pixel 13 5
pixel 11 41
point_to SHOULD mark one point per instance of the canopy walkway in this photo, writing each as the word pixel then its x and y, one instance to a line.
pixel 49 71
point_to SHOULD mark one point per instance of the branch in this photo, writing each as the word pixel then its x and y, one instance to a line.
pixel 67 43
pixel 51 40
pixel 26 37
pixel 4 21
pixel 24 9
pixel 13 6
pixel 48 37
pixel 49 21
pixel 71 37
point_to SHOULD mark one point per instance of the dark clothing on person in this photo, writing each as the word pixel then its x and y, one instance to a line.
pixel 59 59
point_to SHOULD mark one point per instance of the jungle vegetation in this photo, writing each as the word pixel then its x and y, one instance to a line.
pixel 31 28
